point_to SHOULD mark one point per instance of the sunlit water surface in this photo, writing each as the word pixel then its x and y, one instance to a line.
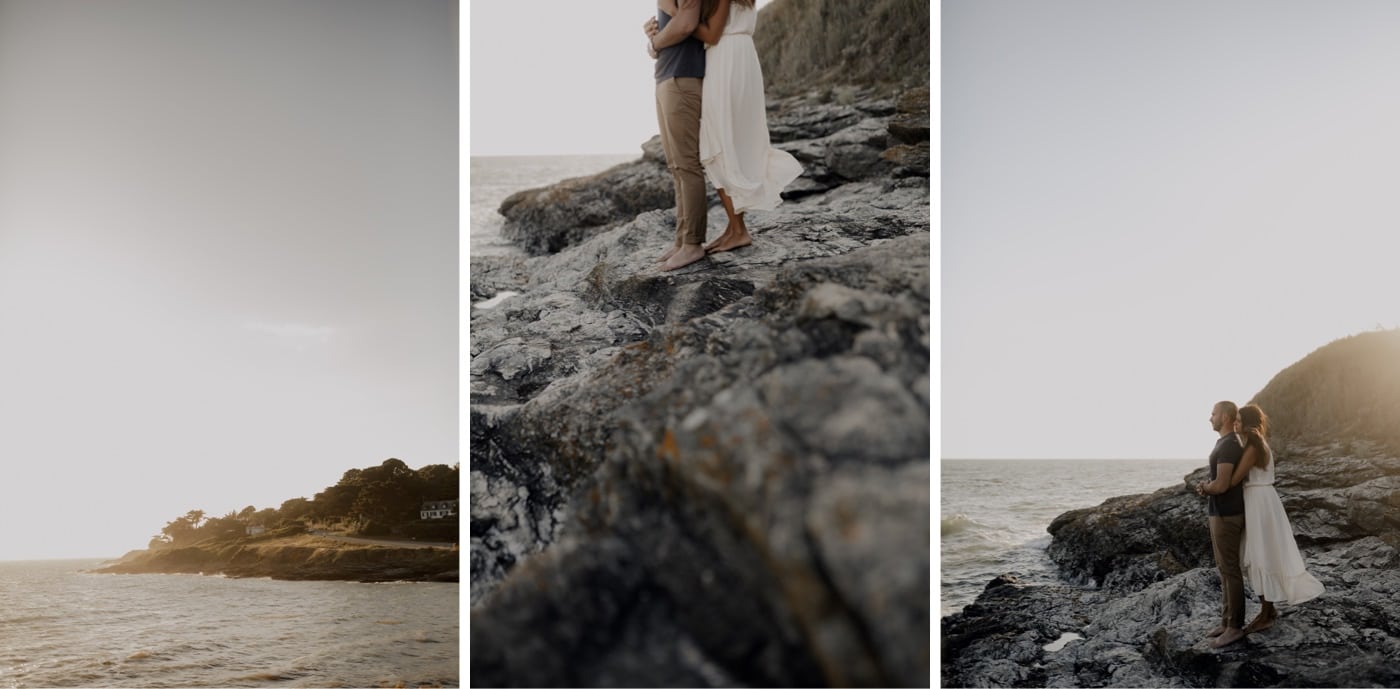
pixel 62 627
pixel 995 513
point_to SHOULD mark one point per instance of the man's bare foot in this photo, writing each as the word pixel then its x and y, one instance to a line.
pixel 1216 632
pixel 1227 637
pixel 736 240
pixel 1260 623
pixel 684 256
pixel 669 253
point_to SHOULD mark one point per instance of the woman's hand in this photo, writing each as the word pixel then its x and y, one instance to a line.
pixel 649 28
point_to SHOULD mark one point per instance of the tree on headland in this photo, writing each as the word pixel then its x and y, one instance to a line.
pixel 295 509
pixel 181 529
pixel 380 500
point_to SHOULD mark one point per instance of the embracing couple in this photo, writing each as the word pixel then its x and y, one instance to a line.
pixel 710 106
pixel 1248 526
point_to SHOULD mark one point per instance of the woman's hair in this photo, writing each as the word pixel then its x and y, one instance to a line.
pixel 708 7
pixel 1254 426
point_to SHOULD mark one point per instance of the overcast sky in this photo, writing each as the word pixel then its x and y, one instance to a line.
pixel 560 77
pixel 228 257
pixel 1152 206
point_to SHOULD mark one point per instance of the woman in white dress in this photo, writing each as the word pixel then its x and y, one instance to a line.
pixel 1269 556
pixel 735 149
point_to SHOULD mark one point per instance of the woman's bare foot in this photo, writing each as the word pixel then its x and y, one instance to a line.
pixel 718 241
pixel 736 233
pixel 1216 632
pixel 684 256
pixel 722 238
pixel 740 238
pixel 1260 623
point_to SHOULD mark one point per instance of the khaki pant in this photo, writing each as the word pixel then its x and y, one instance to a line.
pixel 1226 534
pixel 678 113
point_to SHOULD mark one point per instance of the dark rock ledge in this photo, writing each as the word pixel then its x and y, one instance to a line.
pixel 301 559
pixel 717 476
pixel 870 139
pixel 1154 592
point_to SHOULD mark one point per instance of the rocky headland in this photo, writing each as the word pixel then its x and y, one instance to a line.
pixel 717 476
pixel 1141 586
pixel 300 558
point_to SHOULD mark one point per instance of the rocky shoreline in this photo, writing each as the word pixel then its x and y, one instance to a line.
pixel 719 475
pixel 1153 591
pixel 299 559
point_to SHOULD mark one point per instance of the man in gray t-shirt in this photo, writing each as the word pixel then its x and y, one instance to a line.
pixel 679 72
pixel 1225 507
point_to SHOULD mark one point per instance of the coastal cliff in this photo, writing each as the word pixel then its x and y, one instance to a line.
pixel 1146 589
pixel 295 558
pixel 716 476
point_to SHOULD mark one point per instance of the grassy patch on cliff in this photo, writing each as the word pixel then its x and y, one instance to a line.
pixel 822 44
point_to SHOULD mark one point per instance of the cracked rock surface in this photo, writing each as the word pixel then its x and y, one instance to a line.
pixel 716 476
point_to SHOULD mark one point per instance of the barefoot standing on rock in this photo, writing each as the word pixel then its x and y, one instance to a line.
pixel 680 70
pixel 733 144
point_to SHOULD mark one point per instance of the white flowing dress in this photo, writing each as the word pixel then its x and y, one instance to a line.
pixel 1270 558
pixel 734 144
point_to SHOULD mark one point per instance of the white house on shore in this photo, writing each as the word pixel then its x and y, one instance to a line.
pixel 439 509
pixel 255 530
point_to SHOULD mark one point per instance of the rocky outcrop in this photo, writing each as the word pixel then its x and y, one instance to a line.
pixel 545 220
pixel 868 138
pixel 1149 591
pixel 719 475
pixel 299 560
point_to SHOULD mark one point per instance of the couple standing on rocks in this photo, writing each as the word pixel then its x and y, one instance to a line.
pixel 1249 528
pixel 710 107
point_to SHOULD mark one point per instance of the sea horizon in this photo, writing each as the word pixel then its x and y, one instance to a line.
pixel 994 513
pixel 483 156
pixel 1066 459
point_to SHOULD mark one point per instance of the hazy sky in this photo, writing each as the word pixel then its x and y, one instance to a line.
pixel 1152 206
pixel 228 257
pixel 561 77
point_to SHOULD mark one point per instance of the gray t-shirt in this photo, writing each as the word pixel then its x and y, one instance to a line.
pixel 684 59
pixel 1230 503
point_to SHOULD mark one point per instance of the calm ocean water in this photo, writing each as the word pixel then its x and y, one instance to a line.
pixel 61 627
pixel 995 512
pixel 496 177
